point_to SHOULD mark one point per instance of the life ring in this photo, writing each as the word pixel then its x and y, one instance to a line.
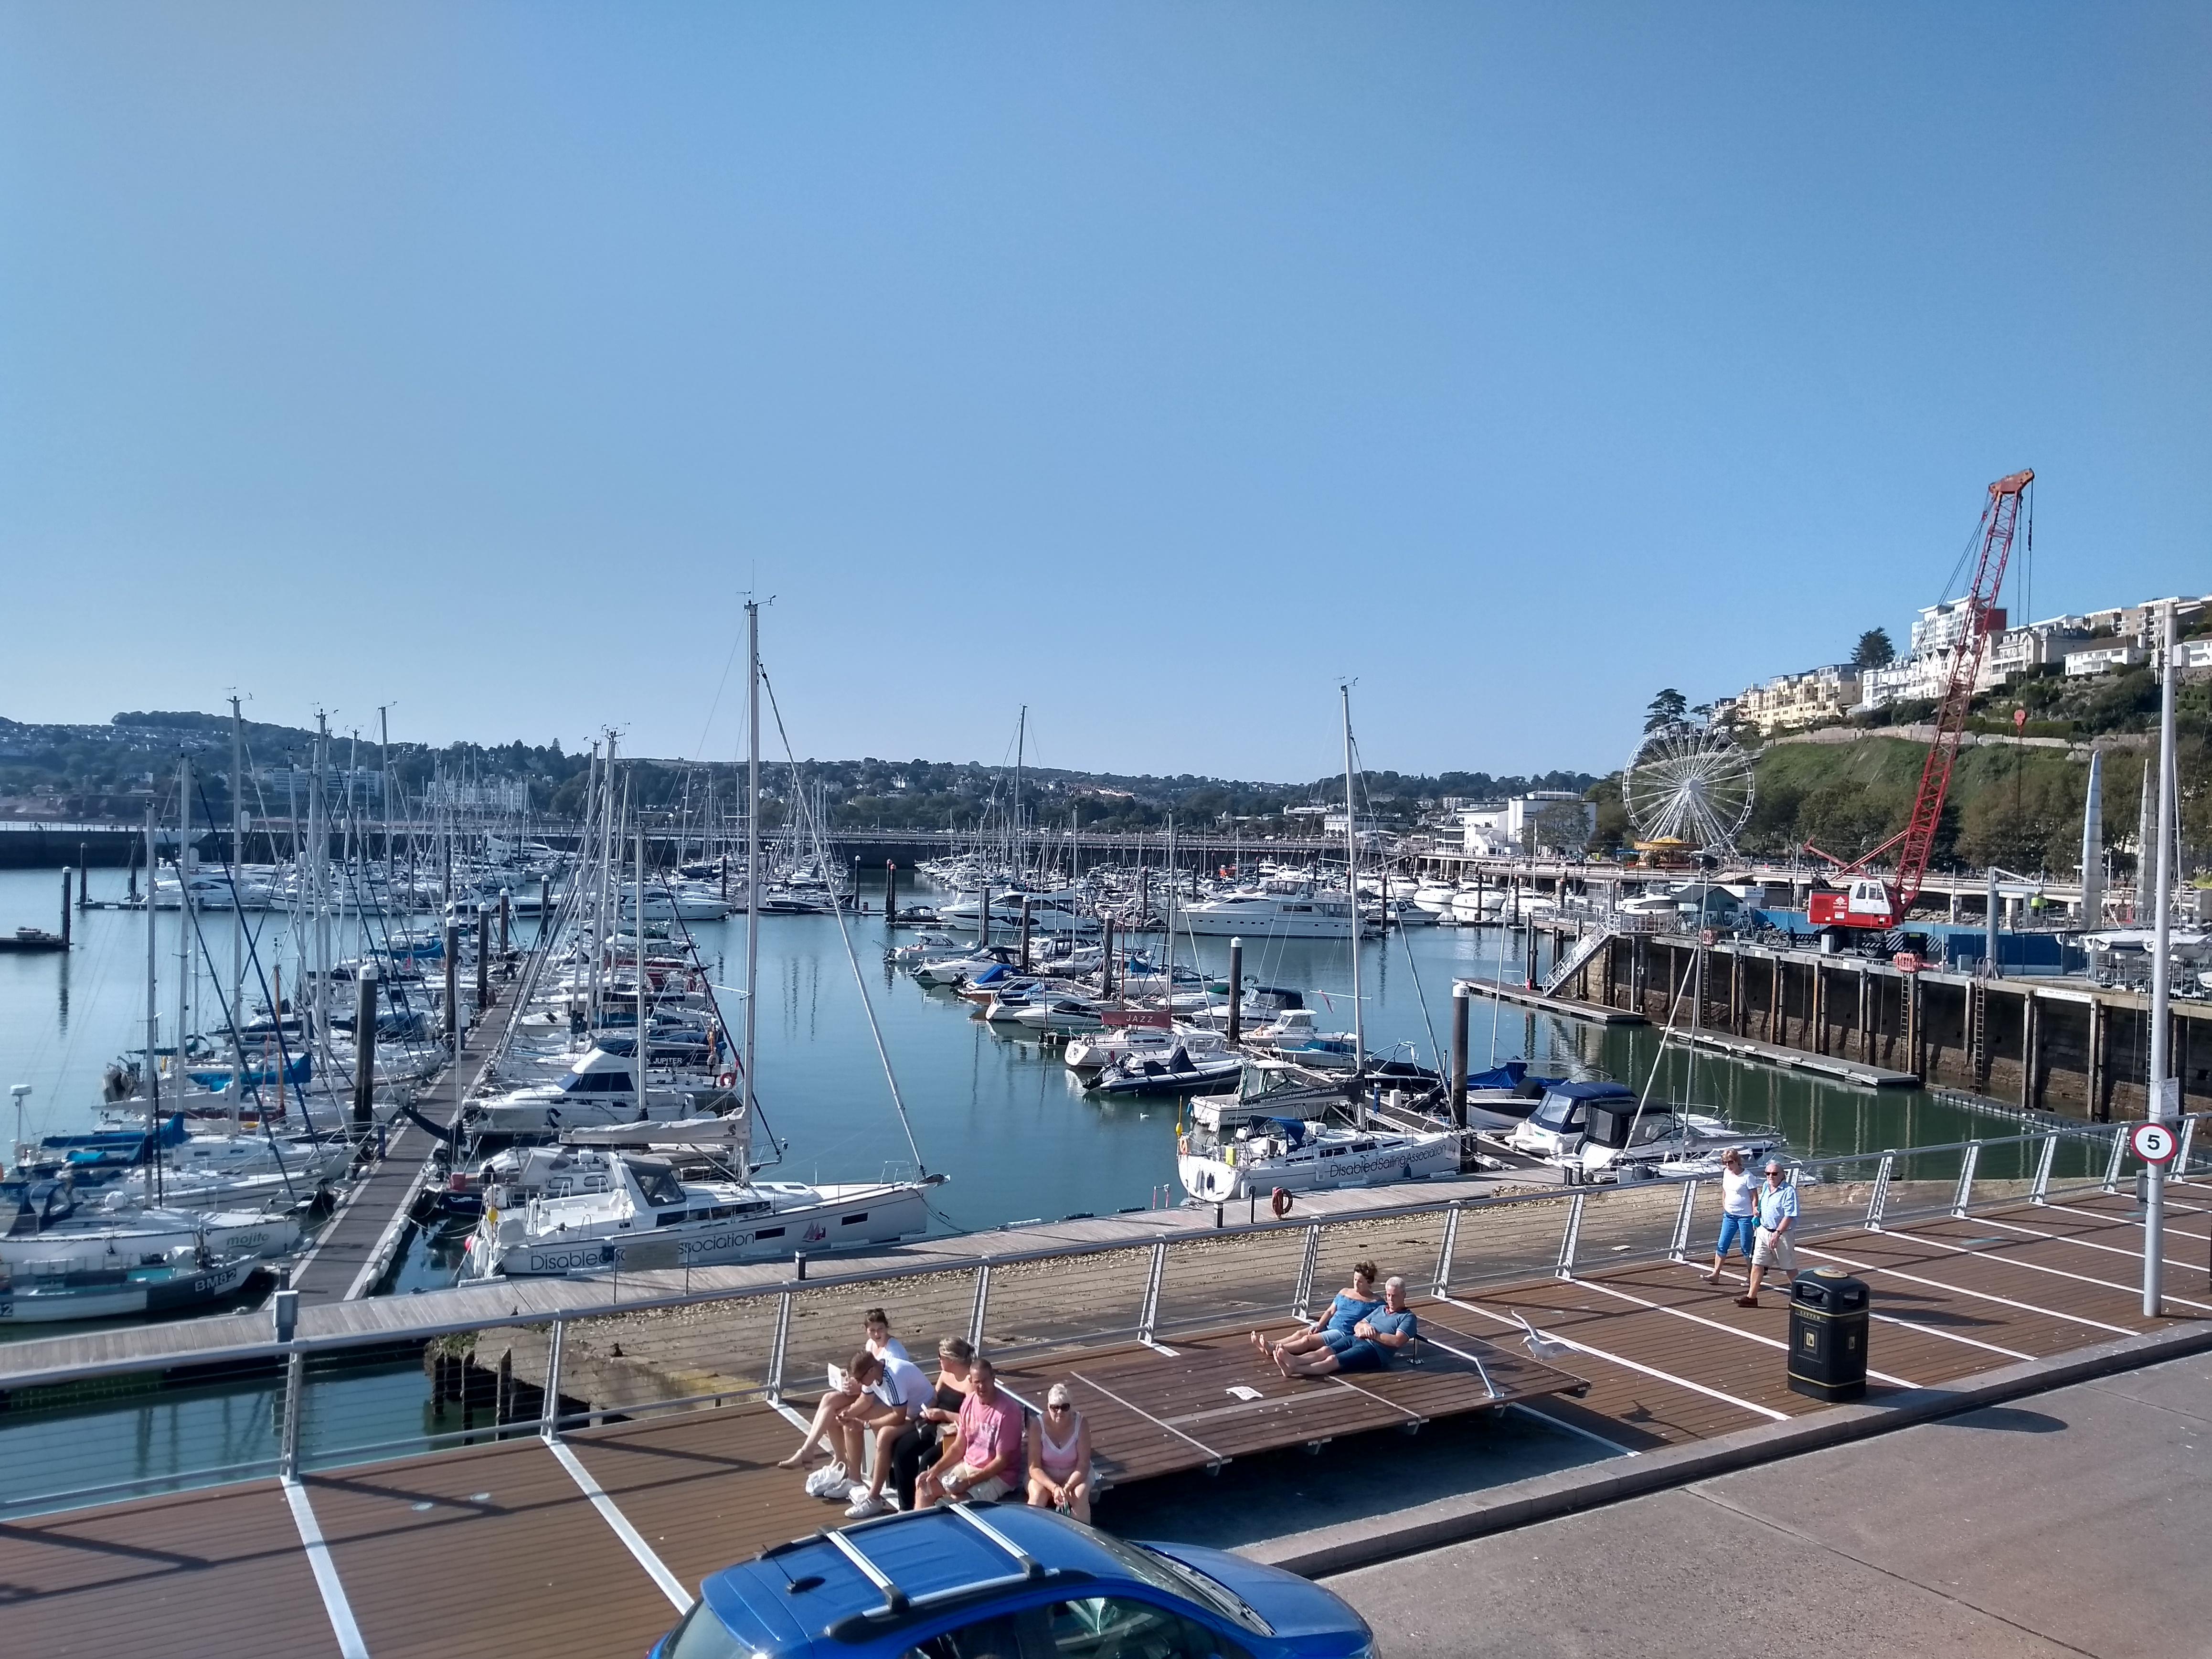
pixel 1280 1203
pixel 727 1080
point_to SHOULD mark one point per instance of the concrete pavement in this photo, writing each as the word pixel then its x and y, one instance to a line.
pixel 2066 1522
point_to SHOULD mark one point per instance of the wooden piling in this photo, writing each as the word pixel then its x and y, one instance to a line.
pixel 891 891
pixel 1235 991
pixel 1025 932
pixel 1459 1057
pixel 65 909
pixel 484 953
pixel 84 874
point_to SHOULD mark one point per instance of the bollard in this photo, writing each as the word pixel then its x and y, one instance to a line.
pixel 1459 1061
pixel 798 1264
pixel 1235 991
pixel 284 1310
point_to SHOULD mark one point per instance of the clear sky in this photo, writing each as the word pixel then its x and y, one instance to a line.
pixel 1155 366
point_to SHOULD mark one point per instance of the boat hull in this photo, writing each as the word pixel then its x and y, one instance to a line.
pixel 1213 1180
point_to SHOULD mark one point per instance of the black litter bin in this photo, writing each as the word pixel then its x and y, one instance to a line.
pixel 1828 1335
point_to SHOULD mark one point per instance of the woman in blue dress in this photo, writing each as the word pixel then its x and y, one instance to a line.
pixel 1332 1330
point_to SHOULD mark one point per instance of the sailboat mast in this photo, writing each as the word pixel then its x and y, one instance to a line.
pixel 153 1008
pixel 1021 738
pixel 752 847
pixel 638 795
pixel 183 923
pixel 1351 884
pixel 237 871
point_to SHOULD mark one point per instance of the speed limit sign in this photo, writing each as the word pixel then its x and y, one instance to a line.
pixel 2153 1143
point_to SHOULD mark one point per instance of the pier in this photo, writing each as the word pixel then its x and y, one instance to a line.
pixel 633 1452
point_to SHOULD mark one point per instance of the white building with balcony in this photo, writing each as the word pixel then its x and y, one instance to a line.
pixel 1790 701
pixel 2104 660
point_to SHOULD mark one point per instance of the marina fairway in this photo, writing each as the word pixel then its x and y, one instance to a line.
pixel 589 1542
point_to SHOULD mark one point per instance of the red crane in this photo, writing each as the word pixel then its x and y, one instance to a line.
pixel 1869 901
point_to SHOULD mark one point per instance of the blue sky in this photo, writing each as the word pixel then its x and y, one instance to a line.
pixel 1154 366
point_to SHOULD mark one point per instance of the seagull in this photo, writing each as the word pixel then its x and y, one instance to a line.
pixel 1540 1346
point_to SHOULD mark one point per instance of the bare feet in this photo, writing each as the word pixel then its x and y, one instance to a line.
pixel 1282 1363
pixel 804 1455
pixel 1259 1342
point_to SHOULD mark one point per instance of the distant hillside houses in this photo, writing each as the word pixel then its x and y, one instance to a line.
pixel 1544 821
pixel 2095 642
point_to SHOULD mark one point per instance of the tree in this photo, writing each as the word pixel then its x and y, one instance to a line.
pixel 1874 649
pixel 1668 708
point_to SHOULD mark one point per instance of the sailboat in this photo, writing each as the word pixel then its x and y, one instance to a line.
pixel 682 1192
pixel 1247 1151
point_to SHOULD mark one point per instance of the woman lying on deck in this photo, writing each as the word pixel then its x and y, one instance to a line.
pixel 1377 1341
pixel 1332 1330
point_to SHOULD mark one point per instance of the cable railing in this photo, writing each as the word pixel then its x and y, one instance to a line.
pixel 74 1435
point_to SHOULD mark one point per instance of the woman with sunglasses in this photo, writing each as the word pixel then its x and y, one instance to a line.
pixel 1059 1457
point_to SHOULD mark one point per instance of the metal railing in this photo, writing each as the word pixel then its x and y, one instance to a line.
pixel 75 1435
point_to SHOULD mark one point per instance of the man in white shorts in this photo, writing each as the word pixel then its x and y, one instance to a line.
pixel 1771 1247
pixel 984 1453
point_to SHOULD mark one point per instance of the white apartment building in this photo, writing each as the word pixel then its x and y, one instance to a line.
pixel 1545 821
pixel 2103 659
pixel 1790 701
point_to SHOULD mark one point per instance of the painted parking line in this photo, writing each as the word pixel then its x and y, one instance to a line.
pixel 670 1586
pixel 350 1645
pixel 2065 1238
pixel 1926 1329
pixel 1767 1412
pixel 1960 1289
pixel 2109 1217
pixel 1715 1324
pixel 2056 1272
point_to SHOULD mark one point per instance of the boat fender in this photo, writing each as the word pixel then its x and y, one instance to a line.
pixel 1280 1203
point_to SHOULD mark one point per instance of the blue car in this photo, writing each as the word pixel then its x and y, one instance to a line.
pixel 983 1581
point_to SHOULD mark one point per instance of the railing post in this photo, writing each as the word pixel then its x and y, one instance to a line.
pixel 1444 1249
pixel 2188 1139
pixel 778 1347
pixel 1566 1268
pixel 1678 1248
pixel 1149 1317
pixel 2040 1192
pixel 2112 1164
pixel 287 1445
pixel 1965 1195
pixel 549 1409
pixel 1879 1202
pixel 1302 1307
pixel 982 1305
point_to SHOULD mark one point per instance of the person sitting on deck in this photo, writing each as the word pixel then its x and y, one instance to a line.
pixel 1377 1341
pixel 982 1456
pixel 845 1396
pixel 1059 1457
pixel 899 1393
pixel 917 1445
pixel 1332 1330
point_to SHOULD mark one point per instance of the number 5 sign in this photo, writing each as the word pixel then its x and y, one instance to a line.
pixel 2153 1143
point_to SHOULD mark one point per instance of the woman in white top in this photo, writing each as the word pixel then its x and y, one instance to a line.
pixel 1059 1457
pixel 1739 1211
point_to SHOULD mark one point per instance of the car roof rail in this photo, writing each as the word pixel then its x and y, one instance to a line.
pixel 895 1599
pixel 1031 1567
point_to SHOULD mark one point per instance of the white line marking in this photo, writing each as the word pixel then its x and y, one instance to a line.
pixel 2056 1272
pixel 1402 1411
pixel 1715 1324
pixel 1937 1330
pixel 326 1573
pixel 1552 1422
pixel 2063 1238
pixel 2129 1221
pixel 1960 1289
pixel 1148 1416
pixel 1767 1412
pixel 655 1568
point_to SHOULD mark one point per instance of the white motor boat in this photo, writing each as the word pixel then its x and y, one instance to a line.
pixel 600 1088
pixel 1297 1155
pixel 1276 910
pixel 1094 1051
pixel 1622 1144
pixel 603 1209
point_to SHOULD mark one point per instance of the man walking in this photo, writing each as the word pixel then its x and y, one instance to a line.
pixel 1772 1246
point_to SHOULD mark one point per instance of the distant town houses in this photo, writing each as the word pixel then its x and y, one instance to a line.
pixel 2095 642
pixel 1544 821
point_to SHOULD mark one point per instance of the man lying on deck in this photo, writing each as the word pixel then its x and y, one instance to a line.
pixel 1332 1330
pixel 1375 1346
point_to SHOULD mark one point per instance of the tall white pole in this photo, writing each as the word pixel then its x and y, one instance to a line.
pixel 2165 1090
pixel 184 924
pixel 752 847
pixel 237 876
pixel 639 795
pixel 1351 882
pixel 153 1012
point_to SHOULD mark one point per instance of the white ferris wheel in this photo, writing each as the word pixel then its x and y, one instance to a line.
pixel 1691 785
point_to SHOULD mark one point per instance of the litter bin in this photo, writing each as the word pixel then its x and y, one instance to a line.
pixel 1828 1335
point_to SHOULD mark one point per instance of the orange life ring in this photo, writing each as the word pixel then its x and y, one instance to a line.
pixel 1280 1203
pixel 727 1080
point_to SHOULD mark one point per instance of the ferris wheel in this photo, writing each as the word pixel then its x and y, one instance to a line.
pixel 1690 785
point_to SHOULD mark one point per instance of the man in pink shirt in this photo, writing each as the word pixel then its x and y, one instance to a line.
pixel 984 1452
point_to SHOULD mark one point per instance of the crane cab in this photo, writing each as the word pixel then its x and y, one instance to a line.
pixel 1867 902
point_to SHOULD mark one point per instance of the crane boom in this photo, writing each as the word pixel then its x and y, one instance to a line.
pixel 1916 842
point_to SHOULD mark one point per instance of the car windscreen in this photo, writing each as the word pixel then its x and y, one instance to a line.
pixel 1164 1572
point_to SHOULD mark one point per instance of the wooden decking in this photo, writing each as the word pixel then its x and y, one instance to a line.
pixel 592 1545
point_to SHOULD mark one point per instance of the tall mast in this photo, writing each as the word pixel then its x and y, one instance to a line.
pixel 384 772
pixel 1352 882
pixel 319 834
pixel 638 795
pixel 584 875
pixel 1021 737
pixel 752 846
pixel 153 1010
pixel 610 895
pixel 237 869
pixel 184 925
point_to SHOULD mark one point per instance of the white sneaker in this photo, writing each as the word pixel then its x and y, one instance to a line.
pixel 863 1506
pixel 819 1483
